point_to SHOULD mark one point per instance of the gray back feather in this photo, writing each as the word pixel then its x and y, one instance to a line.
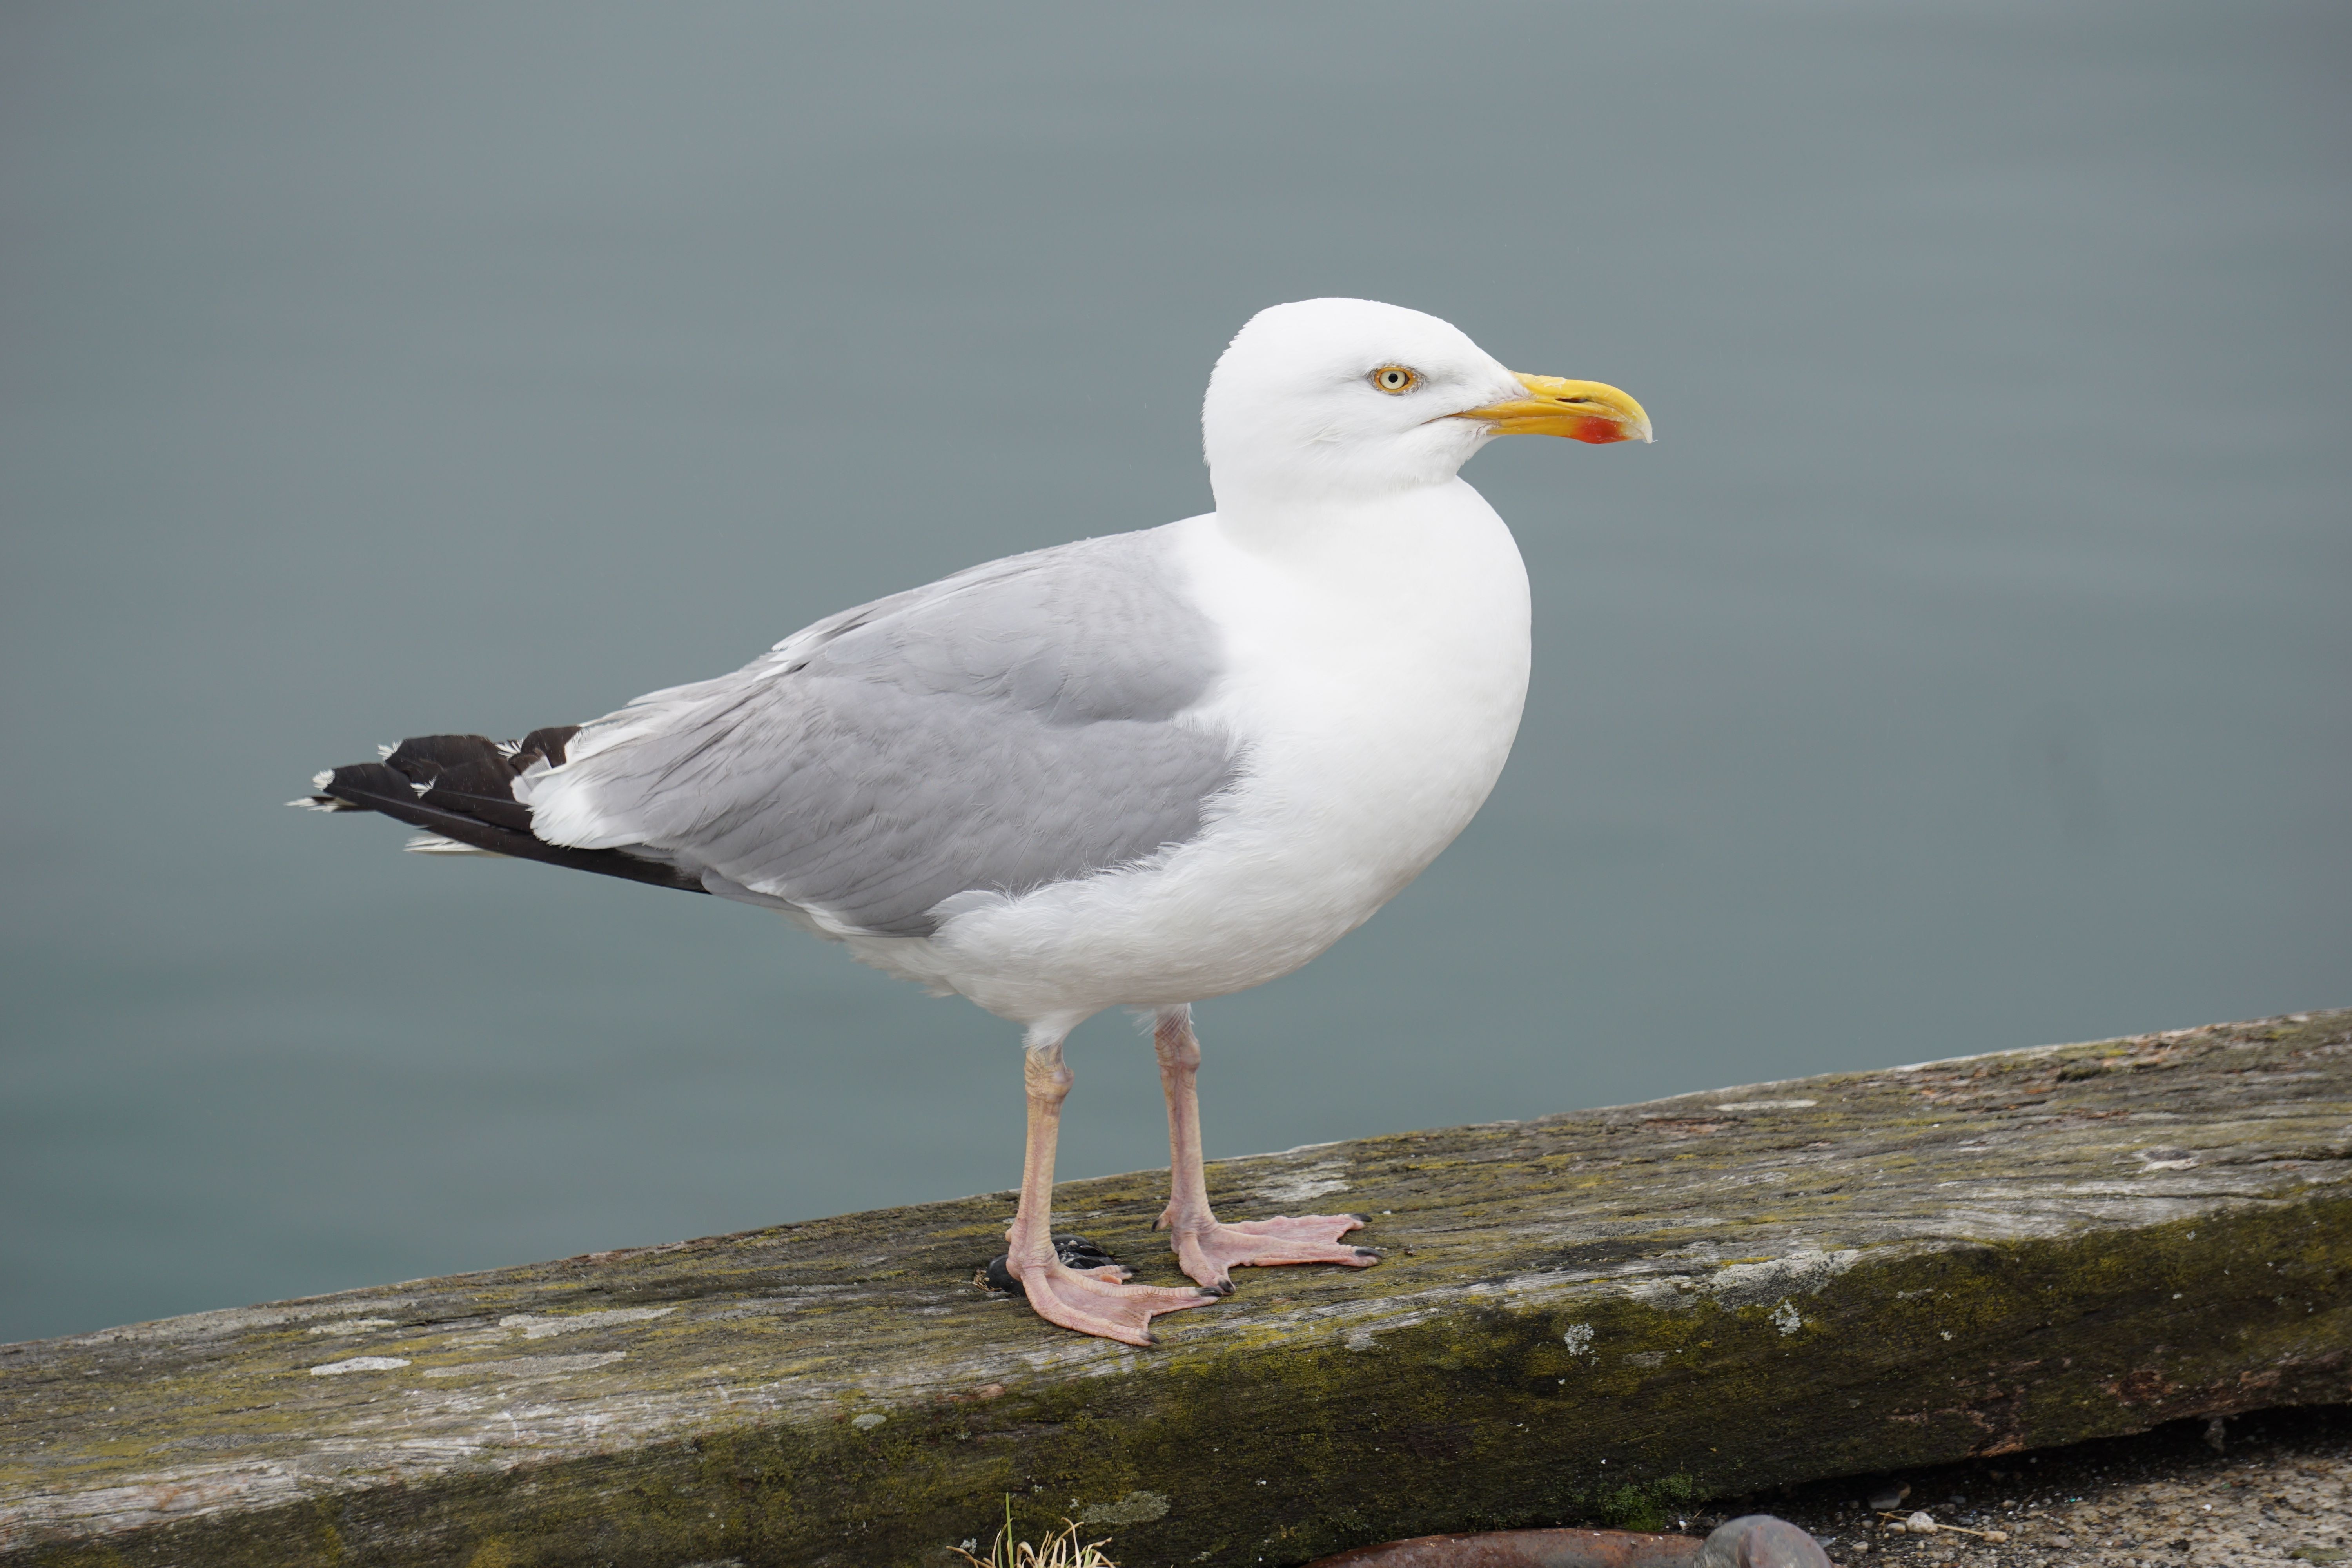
pixel 1009 727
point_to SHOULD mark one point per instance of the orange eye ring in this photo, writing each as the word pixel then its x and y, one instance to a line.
pixel 1393 379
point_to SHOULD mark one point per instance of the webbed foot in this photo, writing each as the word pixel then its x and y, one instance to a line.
pixel 1075 1251
pixel 1208 1254
pixel 1083 1289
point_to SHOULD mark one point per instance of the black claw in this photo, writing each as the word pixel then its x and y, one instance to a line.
pixel 1368 1252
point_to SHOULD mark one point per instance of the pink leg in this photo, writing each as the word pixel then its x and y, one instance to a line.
pixel 1206 1249
pixel 1092 1301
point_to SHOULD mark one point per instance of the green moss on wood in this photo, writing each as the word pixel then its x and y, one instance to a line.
pixel 1606 1315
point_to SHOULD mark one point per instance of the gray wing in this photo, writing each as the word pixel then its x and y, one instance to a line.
pixel 1009 727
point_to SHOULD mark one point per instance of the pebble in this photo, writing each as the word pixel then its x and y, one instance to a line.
pixel 2279 1495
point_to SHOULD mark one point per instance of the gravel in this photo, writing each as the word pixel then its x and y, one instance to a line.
pixel 2277 1491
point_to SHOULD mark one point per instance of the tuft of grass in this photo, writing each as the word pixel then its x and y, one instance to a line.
pixel 1060 1549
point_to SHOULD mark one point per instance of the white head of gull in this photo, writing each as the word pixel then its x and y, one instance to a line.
pixel 1136 771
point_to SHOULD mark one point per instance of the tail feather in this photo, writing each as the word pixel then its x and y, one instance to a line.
pixel 461 788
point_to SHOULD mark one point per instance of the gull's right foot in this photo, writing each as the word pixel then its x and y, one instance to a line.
pixel 1084 1288
pixel 1092 1301
pixel 1075 1250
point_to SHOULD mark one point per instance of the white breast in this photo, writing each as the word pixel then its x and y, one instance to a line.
pixel 1376 663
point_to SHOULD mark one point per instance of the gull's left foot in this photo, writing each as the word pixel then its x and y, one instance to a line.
pixel 1208 1254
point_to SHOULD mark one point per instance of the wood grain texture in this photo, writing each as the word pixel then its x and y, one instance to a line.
pixel 1578 1316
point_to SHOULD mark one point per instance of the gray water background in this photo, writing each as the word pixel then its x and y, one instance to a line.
pixel 1965 668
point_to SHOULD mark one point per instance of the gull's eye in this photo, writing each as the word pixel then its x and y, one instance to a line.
pixel 1394 379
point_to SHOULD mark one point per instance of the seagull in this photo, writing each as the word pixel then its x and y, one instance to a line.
pixel 1137 771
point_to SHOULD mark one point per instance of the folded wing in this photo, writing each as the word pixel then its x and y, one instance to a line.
pixel 1016 725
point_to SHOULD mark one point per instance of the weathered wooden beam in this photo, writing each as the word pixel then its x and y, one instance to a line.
pixel 1698 1295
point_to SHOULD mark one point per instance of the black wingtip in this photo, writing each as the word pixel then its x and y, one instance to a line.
pixel 550 744
pixel 1078 1252
pixel 462 788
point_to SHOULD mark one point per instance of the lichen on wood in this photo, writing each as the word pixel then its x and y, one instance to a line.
pixel 1587 1316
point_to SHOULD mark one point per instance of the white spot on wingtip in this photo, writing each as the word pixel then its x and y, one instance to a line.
pixel 422 786
pixel 433 844
pixel 383 751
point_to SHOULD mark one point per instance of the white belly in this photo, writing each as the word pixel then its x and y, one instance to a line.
pixel 1375 678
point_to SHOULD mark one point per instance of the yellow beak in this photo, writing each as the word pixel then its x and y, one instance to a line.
pixel 1579 410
